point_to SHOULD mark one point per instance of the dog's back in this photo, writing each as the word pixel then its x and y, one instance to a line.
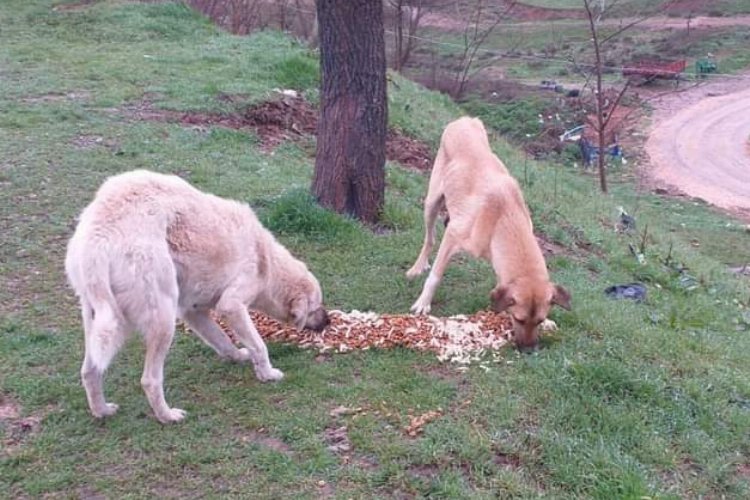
pixel 128 210
pixel 118 259
pixel 476 185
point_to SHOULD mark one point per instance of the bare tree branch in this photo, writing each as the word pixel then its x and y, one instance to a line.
pixel 474 37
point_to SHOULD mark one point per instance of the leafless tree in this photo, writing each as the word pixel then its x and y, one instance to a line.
pixel 285 17
pixel 237 16
pixel 480 23
pixel 406 17
pixel 605 108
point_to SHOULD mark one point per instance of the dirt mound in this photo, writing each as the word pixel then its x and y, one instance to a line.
pixel 279 120
pixel 407 151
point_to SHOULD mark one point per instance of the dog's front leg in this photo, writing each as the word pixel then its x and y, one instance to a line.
pixel 207 329
pixel 448 247
pixel 239 319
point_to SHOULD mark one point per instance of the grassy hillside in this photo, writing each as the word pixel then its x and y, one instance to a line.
pixel 625 401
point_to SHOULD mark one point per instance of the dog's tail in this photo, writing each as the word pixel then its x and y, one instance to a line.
pixel 103 318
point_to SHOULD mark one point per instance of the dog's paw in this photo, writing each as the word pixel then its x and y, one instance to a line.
pixel 108 410
pixel 417 269
pixel 269 375
pixel 172 416
pixel 420 308
pixel 242 355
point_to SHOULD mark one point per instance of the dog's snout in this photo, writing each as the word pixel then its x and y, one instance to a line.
pixel 319 319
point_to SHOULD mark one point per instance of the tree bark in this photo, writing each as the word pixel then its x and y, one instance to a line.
pixel 350 159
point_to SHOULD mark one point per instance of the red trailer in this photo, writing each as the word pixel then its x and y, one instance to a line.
pixel 652 69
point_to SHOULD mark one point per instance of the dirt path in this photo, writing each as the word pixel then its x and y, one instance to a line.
pixel 700 143
pixel 698 22
pixel 451 22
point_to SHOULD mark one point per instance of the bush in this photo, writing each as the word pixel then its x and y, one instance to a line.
pixel 297 72
pixel 296 213
pixel 515 119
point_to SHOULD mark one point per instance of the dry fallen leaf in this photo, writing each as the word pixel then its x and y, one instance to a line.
pixel 417 423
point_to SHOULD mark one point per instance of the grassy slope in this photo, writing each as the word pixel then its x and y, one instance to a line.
pixel 626 400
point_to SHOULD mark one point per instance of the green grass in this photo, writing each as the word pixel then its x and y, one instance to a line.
pixel 625 401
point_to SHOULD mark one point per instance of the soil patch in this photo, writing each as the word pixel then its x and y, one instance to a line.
pixel 267 441
pixel 9 410
pixel 17 428
pixel 506 461
pixel 424 471
pixel 337 439
pixel 550 248
pixel 407 151
pixel 279 120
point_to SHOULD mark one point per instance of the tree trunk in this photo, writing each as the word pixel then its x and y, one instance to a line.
pixel 350 160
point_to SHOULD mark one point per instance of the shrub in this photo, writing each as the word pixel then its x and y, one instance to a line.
pixel 296 213
pixel 297 72
pixel 515 119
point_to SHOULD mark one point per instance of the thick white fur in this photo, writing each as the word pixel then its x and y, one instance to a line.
pixel 149 249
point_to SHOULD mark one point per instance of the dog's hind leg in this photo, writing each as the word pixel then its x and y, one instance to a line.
pixel 433 202
pixel 103 337
pixel 158 339
pixel 158 293
pixel 207 329
pixel 448 247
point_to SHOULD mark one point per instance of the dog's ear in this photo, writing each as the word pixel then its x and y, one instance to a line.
pixel 501 298
pixel 298 311
pixel 561 297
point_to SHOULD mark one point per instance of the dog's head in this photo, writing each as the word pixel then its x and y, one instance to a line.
pixel 528 304
pixel 305 306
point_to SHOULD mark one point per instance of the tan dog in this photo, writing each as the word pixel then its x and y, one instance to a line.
pixel 489 220
pixel 150 249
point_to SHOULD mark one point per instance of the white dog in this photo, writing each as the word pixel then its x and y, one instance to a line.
pixel 150 249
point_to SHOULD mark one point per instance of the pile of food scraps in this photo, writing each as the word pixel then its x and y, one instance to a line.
pixel 457 339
